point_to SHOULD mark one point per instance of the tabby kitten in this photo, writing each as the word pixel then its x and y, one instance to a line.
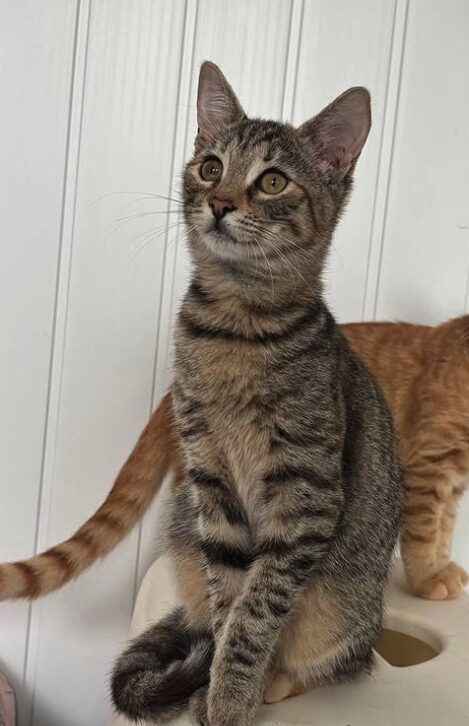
pixel 424 373
pixel 283 529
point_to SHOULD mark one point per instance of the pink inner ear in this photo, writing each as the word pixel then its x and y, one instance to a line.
pixel 339 132
pixel 342 157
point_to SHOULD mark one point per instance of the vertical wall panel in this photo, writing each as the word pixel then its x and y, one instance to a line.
pixel 426 245
pixel 103 366
pixel 99 120
pixel 343 45
pixel 36 55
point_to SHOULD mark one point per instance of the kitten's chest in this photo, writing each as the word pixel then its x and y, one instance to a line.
pixel 227 382
pixel 222 374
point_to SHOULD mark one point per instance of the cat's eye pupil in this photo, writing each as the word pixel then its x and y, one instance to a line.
pixel 272 182
pixel 211 170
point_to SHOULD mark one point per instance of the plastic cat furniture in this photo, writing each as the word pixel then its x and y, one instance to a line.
pixel 421 678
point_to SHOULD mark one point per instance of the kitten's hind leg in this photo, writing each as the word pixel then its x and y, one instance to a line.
pixel 282 686
pixel 316 646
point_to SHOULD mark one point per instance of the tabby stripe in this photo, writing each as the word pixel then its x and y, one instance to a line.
pixel 301 438
pixel 310 512
pixel 230 510
pixel 197 428
pixel 301 564
pixel 233 514
pixel 221 496
pixel 424 539
pixel 197 292
pixel 88 539
pixel 219 553
pixel 109 520
pixel 286 474
pixel 191 408
pixel 241 640
pixel 260 309
pixel 280 548
pixel 33 585
pixel 243 657
pixel 255 611
pixel 60 557
pixel 276 608
pixel 201 330
pixel 199 476
pixel 418 509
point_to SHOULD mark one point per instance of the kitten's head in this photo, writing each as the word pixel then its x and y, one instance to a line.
pixel 258 190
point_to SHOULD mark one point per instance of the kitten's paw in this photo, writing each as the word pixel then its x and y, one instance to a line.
pixel 228 712
pixel 282 687
pixel 198 707
pixel 446 584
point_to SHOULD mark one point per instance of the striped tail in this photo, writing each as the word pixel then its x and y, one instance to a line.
pixel 140 478
pixel 154 678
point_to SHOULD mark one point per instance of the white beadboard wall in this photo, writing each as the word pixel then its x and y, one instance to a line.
pixel 97 119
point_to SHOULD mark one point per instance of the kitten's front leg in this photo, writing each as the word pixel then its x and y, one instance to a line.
pixel 224 542
pixel 288 553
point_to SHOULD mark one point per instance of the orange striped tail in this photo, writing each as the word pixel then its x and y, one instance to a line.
pixel 140 478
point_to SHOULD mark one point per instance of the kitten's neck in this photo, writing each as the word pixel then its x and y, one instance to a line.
pixel 243 299
pixel 255 284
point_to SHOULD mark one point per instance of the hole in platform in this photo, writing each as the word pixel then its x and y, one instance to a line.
pixel 403 650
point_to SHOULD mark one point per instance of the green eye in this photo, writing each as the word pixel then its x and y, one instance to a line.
pixel 273 182
pixel 211 170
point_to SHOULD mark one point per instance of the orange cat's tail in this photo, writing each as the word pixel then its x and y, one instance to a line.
pixel 138 481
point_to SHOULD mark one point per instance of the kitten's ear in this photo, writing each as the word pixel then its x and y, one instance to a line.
pixel 339 132
pixel 217 105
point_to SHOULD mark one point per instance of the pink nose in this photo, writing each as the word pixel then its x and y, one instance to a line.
pixel 220 207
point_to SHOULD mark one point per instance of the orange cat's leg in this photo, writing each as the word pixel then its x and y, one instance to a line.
pixel 457 573
pixel 420 535
pixel 447 525
pixel 426 538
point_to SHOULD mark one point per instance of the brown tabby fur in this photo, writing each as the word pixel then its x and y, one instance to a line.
pixel 424 373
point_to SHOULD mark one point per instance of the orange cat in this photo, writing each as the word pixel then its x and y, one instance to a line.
pixel 424 372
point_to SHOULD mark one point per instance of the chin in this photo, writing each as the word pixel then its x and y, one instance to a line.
pixel 225 246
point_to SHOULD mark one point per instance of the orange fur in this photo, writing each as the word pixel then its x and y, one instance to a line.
pixel 424 373
pixel 137 483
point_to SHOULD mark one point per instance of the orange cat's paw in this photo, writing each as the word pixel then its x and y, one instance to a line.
pixel 447 583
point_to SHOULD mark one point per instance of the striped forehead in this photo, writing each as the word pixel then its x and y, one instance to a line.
pixel 255 148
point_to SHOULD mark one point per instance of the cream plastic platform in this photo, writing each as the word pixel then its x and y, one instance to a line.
pixel 432 693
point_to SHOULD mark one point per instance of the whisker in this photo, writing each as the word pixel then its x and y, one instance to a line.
pixel 153 238
pixel 138 215
pixel 143 194
pixel 270 270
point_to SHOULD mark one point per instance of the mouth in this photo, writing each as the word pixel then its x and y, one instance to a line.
pixel 218 229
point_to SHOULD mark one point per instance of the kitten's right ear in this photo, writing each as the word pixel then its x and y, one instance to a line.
pixel 217 105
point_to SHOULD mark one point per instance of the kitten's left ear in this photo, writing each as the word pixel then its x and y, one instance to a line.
pixel 217 105
pixel 338 133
